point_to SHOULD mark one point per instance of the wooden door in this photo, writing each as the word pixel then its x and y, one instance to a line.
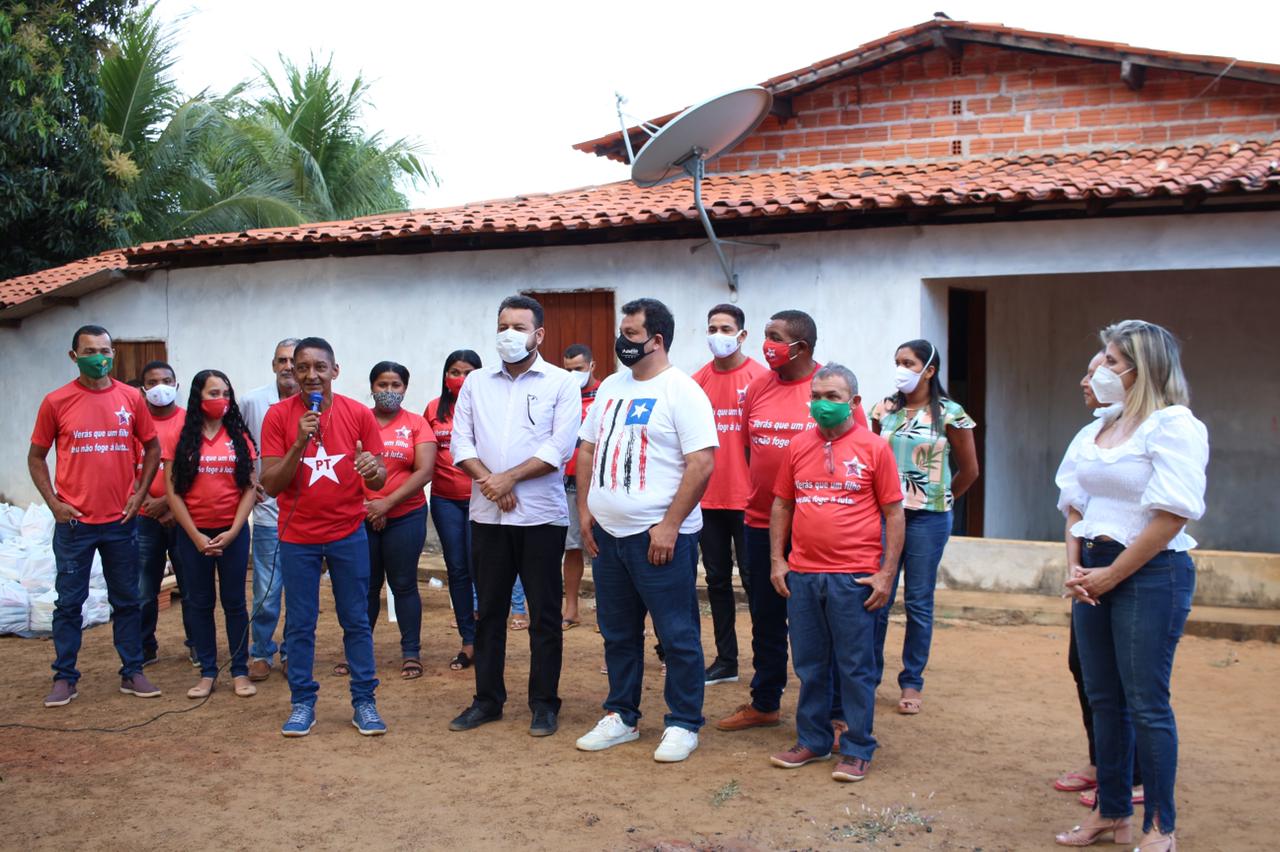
pixel 132 355
pixel 579 316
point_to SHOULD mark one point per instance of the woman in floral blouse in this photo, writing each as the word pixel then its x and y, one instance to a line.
pixel 925 429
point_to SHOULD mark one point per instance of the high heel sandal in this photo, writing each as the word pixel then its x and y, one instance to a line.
pixel 1121 830
pixel 1155 841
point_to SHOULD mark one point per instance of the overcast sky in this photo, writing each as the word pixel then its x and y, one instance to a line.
pixel 500 91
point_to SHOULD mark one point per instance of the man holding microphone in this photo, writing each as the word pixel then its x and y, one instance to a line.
pixel 313 462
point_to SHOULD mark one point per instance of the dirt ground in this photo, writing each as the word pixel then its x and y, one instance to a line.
pixel 972 772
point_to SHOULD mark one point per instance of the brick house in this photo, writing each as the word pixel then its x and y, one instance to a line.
pixel 1001 192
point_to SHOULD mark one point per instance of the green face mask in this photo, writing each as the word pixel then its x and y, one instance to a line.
pixel 94 366
pixel 828 414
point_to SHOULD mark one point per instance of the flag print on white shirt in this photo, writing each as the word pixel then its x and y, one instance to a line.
pixel 642 431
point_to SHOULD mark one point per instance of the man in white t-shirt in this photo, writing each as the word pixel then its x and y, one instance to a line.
pixel 647 451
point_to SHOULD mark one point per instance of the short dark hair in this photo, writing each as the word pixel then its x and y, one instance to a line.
pixel 657 318
pixel 730 310
pixel 315 343
pixel 389 367
pixel 577 349
pixel 158 365
pixel 523 303
pixel 800 326
pixel 92 331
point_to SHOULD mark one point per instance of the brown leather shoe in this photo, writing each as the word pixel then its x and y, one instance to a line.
pixel 747 716
pixel 259 670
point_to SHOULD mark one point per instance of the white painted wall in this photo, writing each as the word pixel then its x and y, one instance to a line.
pixel 1042 331
pixel 865 288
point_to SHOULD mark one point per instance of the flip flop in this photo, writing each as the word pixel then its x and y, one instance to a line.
pixel 520 622
pixel 1089 798
pixel 342 670
pixel 569 623
pixel 1074 782
pixel 411 670
pixel 910 706
pixel 460 662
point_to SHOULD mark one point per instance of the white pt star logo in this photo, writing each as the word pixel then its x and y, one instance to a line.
pixel 853 467
pixel 323 465
pixel 403 433
pixel 124 415
pixel 639 410
pixel 231 446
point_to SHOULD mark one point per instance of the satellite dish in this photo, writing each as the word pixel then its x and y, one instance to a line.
pixel 684 145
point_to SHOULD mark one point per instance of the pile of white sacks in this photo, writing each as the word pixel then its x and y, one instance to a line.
pixel 27 574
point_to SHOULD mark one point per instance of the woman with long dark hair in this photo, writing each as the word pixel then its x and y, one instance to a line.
pixel 1128 485
pixel 451 501
pixel 209 481
pixel 396 520
pixel 925 429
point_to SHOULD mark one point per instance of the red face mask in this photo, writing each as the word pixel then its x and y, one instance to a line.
pixel 215 409
pixel 777 353
pixel 454 383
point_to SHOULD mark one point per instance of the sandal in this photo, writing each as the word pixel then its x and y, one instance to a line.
pixel 342 670
pixel 460 662
pixel 1122 833
pixel 520 622
pixel 1155 841
pixel 1074 782
pixel 202 689
pixel 411 669
pixel 244 687
pixel 569 623
pixel 910 706
pixel 1089 798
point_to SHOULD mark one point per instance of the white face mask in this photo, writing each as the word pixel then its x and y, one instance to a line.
pixel 723 345
pixel 584 378
pixel 513 345
pixel 1106 385
pixel 906 379
pixel 162 395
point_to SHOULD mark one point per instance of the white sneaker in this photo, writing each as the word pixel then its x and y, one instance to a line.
pixel 677 744
pixel 608 732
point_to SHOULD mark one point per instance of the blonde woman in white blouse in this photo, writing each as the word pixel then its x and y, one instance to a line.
pixel 1128 484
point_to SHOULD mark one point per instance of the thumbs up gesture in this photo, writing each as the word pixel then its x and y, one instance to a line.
pixel 367 464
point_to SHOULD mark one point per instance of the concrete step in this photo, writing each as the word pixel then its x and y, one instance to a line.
pixel 1214 622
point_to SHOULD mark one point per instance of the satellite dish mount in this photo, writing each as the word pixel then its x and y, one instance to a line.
pixel 686 143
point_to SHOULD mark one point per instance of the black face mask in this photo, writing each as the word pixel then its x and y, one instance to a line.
pixel 631 353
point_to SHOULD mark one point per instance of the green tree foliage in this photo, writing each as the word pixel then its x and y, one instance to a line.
pixel 61 193
pixel 292 154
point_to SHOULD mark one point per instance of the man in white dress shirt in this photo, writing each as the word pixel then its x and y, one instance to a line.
pixel 514 427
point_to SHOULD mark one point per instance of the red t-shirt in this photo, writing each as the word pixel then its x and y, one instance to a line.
pixel 94 433
pixel 448 480
pixel 214 495
pixel 838 489
pixel 774 412
pixel 588 397
pixel 400 440
pixel 167 429
pixel 325 500
pixel 730 485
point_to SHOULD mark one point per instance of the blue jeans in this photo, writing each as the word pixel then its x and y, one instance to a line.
pixel 627 586
pixel 268 580
pixel 1126 646
pixel 348 560
pixel 926 538
pixel 73 546
pixel 517 598
pixel 830 627
pixel 393 556
pixel 451 518
pixel 155 541
pixel 230 568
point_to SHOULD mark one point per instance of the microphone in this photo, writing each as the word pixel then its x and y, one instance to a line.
pixel 316 399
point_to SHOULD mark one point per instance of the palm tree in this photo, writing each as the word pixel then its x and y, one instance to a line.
pixel 210 164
